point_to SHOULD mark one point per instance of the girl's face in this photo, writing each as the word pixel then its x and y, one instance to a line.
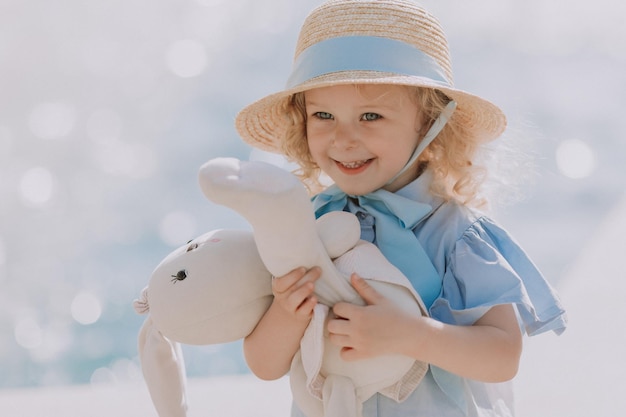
pixel 362 136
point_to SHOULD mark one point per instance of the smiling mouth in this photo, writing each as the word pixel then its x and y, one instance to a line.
pixel 353 164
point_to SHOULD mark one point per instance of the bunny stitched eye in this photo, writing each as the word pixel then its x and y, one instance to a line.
pixel 180 276
pixel 192 246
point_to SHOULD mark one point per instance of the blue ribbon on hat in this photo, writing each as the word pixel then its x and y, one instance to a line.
pixel 395 217
pixel 365 53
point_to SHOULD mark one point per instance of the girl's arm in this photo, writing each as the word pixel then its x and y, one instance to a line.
pixel 487 351
pixel 272 344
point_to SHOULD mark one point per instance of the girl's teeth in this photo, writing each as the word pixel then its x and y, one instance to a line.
pixel 354 164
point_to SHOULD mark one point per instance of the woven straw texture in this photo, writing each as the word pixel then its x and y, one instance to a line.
pixel 399 20
pixel 263 123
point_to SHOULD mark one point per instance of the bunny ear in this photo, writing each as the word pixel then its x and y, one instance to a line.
pixel 163 369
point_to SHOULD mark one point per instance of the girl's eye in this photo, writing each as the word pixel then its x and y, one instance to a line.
pixel 370 117
pixel 323 115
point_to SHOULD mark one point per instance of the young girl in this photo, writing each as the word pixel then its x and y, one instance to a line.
pixel 371 104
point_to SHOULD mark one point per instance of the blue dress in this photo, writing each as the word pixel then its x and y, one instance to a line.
pixel 480 266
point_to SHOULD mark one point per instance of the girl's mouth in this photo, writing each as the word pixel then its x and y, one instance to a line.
pixel 353 166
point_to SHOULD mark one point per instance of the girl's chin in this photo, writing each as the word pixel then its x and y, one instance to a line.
pixel 355 189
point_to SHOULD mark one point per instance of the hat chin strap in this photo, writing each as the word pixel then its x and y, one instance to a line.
pixel 432 133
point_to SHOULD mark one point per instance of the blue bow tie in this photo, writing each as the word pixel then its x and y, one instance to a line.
pixel 395 216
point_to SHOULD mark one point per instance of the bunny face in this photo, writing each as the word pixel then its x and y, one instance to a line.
pixel 212 290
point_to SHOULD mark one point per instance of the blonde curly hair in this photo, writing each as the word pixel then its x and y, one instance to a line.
pixel 452 156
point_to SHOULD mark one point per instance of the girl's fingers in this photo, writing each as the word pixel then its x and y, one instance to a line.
pixel 294 292
pixel 306 308
pixel 340 340
pixel 300 295
pixel 338 326
pixel 344 310
pixel 294 279
pixel 369 294
pixel 282 284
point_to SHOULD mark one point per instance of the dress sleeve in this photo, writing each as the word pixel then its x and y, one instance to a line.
pixel 485 268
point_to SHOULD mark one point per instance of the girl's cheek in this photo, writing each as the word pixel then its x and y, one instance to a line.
pixel 316 139
pixel 315 130
pixel 314 149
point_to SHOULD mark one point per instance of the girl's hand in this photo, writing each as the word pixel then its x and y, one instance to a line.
pixel 489 350
pixel 293 293
pixel 367 331
pixel 270 348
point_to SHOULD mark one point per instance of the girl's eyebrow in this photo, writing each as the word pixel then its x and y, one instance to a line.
pixel 374 104
pixel 379 106
pixel 312 103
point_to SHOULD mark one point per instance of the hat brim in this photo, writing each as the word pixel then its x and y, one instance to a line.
pixel 264 123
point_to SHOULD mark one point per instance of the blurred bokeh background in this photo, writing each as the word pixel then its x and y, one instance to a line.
pixel 108 108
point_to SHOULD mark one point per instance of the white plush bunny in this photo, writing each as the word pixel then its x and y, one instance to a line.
pixel 216 288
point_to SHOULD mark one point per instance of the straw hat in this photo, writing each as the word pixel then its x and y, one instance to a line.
pixel 368 42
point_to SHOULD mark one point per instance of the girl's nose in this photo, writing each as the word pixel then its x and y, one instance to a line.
pixel 344 136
